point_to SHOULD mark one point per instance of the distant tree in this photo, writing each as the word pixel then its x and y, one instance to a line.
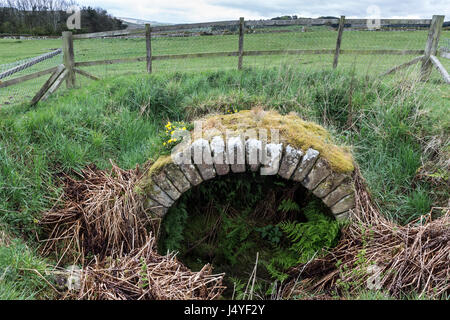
pixel 48 17
pixel 328 17
pixel 285 18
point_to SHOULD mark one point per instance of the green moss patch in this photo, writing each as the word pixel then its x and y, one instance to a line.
pixel 292 130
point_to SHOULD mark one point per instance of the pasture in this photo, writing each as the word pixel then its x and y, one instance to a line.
pixel 316 38
pixel 396 128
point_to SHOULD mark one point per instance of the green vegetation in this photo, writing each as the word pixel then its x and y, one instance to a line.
pixel 228 220
pixel 22 271
pixel 397 129
pixel 318 38
pixel 45 18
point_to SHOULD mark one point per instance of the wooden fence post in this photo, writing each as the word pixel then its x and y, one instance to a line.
pixel 431 46
pixel 68 58
pixel 148 42
pixel 241 42
pixel 338 42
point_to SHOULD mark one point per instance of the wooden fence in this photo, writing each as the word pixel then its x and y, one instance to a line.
pixel 427 57
pixel 435 26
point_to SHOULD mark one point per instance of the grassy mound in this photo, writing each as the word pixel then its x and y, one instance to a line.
pixel 398 131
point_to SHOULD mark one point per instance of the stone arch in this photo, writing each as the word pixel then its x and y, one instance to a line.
pixel 312 160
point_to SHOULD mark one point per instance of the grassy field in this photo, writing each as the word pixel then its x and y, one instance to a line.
pixel 318 38
pixel 399 131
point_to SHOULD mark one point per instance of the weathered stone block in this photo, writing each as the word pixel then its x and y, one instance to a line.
pixel 177 177
pixel 201 153
pixel 308 161
pixel 340 192
pixel 329 184
pixel 219 156
pixel 155 208
pixel 166 185
pixel 344 204
pixel 343 216
pixel 290 161
pixel 253 153
pixel 271 159
pixel 157 194
pixel 236 154
pixel 191 173
pixel 318 173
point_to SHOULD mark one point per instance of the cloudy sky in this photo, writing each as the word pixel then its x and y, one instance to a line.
pixel 179 11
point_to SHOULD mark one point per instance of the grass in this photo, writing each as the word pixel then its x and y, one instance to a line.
pixel 22 271
pixel 392 122
pixel 319 38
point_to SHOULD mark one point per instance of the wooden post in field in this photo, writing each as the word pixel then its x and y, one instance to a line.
pixel 431 46
pixel 338 41
pixel 241 42
pixel 55 75
pixel 148 42
pixel 68 58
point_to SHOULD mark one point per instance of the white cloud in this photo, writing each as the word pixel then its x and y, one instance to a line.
pixel 179 11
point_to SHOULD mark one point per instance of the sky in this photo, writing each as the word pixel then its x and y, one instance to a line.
pixel 187 11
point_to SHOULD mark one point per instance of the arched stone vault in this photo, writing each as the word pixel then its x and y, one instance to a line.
pixel 303 153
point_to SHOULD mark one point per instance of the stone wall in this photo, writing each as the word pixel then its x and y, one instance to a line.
pixel 205 159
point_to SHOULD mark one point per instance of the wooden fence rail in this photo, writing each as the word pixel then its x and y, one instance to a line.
pixel 435 25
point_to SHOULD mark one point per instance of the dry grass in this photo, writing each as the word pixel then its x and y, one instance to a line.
pixel 144 274
pixel 5 240
pixel 102 215
pixel 411 258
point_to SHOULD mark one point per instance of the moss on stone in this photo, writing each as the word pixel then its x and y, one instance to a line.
pixel 146 184
pixel 292 129
pixel 159 165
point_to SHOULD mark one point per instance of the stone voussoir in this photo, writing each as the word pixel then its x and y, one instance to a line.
pixel 253 152
pixel 158 195
pixel 270 163
pixel 201 154
pixel 155 208
pixel 345 204
pixel 330 183
pixel 191 173
pixel 339 193
pixel 219 155
pixel 166 185
pixel 318 173
pixel 290 161
pixel 306 164
pixel 177 177
pixel 343 216
pixel 183 160
pixel 236 154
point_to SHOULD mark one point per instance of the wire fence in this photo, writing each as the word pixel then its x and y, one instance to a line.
pixel 24 91
pixel 446 45
pixel 194 48
pixel 304 45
